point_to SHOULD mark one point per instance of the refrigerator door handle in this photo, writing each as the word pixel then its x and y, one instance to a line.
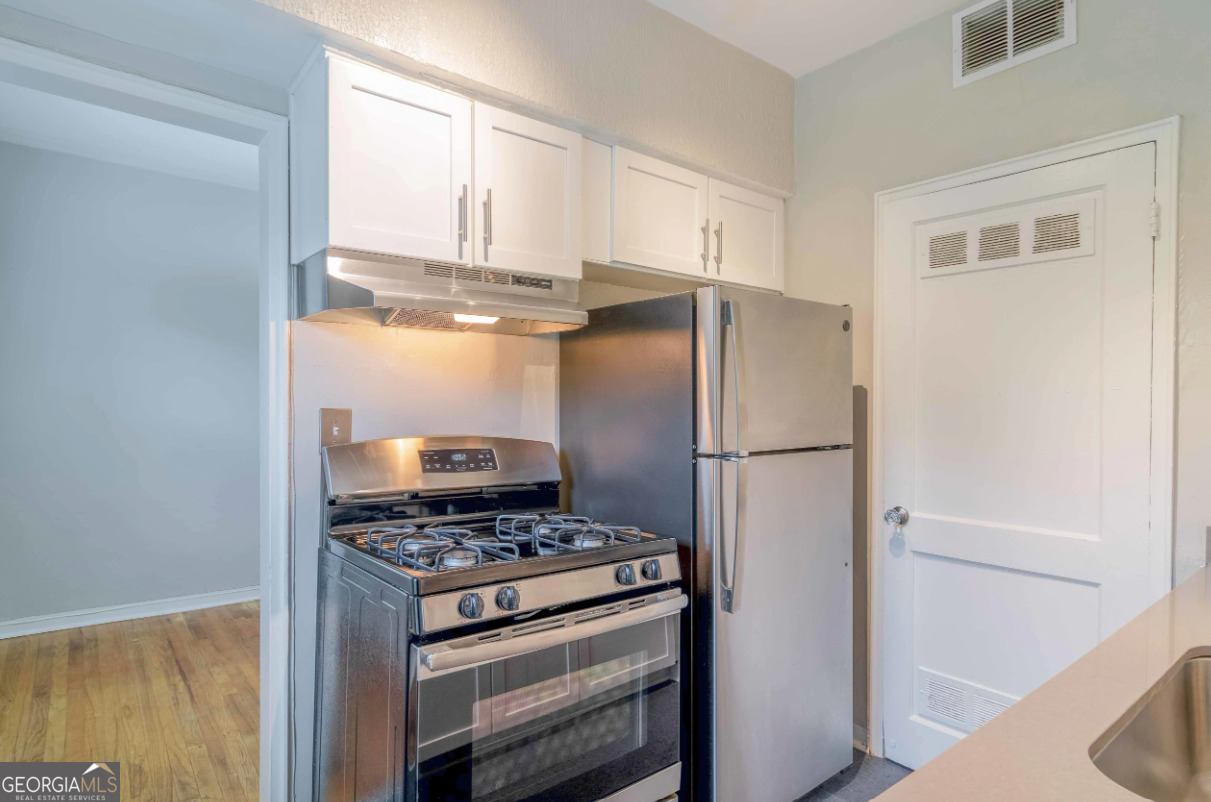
pixel 730 320
pixel 728 578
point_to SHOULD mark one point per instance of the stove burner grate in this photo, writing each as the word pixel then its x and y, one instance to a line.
pixel 438 548
pixel 551 534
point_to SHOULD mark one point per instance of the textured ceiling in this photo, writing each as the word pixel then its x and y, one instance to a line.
pixel 798 36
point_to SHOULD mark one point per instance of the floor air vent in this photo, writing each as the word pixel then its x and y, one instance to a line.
pixel 994 35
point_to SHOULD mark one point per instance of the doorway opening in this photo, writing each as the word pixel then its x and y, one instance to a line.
pixel 143 291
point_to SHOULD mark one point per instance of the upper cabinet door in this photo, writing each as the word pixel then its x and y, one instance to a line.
pixel 660 212
pixel 527 188
pixel 400 165
pixel 746 236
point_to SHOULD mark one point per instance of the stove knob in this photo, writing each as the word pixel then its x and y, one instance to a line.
pixel 651 570
pixel 625 574
pixel 508 599
pixel 471 606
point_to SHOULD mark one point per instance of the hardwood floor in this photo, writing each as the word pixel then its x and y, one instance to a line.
pixel 174 699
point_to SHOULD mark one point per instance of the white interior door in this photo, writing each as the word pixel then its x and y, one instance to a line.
pixel 1016 418
pixel 660 213
pixel 400 169
pixel 527 179
pixel 747 235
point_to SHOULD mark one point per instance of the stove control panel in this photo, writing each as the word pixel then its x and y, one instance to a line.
pixel 625 574
pixel 457 608
pixel 508 599
pixel 471 605
pixel 453 460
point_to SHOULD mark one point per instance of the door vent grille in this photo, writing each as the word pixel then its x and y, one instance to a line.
pixel 994 35
pixel 945 700
pixel 958 703
pixel 1032 233
pixel 948 250
pixel 985 710
pixel 1057 232
pixel 1000 242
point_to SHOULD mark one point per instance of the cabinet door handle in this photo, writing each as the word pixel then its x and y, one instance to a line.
pixel 719 247
pixel 487 223
pixel 462 220
pixel 706 243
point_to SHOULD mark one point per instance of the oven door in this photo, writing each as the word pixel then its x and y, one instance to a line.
pixel 569 708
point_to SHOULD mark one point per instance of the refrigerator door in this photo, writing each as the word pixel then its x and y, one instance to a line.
pixel 780 529
pixel 774 373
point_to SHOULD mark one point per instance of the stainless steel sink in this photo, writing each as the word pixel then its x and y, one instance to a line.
pixel 1161 749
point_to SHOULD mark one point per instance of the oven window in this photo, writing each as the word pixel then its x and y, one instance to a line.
pixel 577 721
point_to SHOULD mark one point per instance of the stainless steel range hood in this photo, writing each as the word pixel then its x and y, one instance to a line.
pixel 336 286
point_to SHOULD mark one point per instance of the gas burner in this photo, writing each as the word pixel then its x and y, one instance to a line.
pixel 590 539
pixel 437 548
pixel 458 557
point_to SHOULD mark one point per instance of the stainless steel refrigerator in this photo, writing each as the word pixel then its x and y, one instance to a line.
pixel 724 418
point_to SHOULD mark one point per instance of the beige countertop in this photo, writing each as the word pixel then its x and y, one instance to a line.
pixel 1039 748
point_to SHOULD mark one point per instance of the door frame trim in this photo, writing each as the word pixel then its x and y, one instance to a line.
pixel 1166 135
pixel 58 73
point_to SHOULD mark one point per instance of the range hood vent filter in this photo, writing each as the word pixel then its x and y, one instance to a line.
pixel 420 319
pixel 337 286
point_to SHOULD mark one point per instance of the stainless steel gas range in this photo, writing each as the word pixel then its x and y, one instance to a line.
pixel 475 644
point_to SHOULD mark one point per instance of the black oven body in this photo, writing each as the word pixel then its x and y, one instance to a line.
pixel 573 721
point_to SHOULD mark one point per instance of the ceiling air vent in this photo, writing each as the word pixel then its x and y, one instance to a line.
pixel 995 35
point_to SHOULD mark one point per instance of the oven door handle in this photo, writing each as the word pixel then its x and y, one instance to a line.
pixel 439 658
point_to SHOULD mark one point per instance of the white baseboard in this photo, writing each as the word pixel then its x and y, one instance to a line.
pixel 125 612
pixel 861 739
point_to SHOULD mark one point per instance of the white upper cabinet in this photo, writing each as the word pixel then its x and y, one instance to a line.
pixel 596 213
pixel 670 218
pixel 528 194
pixel 660 212
pixel 395 158
pixel 385 165
pixel 747 231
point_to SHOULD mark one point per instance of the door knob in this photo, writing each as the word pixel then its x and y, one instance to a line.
pixel 896 516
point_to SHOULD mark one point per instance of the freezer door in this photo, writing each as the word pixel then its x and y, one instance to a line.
pixel 782 545
pixel 774 373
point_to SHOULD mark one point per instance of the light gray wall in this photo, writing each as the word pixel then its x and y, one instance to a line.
pixel 399 382
pixel 128 336
pixel 622 66
pixel 887 116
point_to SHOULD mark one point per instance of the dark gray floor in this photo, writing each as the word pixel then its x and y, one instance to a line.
pixel 864 780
